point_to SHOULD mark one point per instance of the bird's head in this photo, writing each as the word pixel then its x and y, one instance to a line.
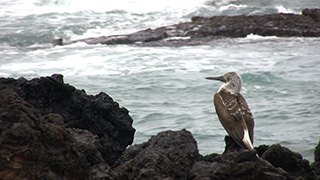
pixel 232 82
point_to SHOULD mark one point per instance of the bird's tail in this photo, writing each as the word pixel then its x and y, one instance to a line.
pixel 246 139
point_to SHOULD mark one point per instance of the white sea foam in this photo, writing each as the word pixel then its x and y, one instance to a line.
pixel 282 9
pixel 258 37
pixel 24 7
pixel 232 7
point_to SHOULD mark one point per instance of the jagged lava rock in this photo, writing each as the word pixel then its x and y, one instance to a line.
pixel 98 114
pixel 231 145
pixel 291 162
pixel 313 13
pixel 169 155
pixel 88 144
pixel 174 155
pixel 35 145
pixel 243 164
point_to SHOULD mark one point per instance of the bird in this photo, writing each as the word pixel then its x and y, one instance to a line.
pixel 233 110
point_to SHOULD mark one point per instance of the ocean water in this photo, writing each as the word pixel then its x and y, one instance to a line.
pixel 164 87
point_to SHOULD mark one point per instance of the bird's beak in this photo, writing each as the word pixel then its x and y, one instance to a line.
pixel 219 78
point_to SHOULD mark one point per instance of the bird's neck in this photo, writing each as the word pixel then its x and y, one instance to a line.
pixel 230 87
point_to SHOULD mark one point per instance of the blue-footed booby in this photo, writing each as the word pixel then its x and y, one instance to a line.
pixel 233 111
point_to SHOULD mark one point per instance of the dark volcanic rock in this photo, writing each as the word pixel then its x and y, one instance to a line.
pixel 243 164
pixel 316 165
pixel 231 145
pixel 290 161
pixel 313 13
pixel 88 144
pixel 35 145
pixel 143 36
pixel 261 149
pixel 98 114
pixel 174 155
pixel 169 155
pixel 202 30
pixel 50 130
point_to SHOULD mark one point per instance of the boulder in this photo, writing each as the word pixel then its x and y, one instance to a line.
pixel 169 155
pixel 98 114
pixel 291 162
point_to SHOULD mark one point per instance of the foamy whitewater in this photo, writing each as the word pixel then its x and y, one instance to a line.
pixel 164 87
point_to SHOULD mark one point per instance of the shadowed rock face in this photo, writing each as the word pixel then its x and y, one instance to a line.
pixel 98 114
pixel 36 145
pixel 203 30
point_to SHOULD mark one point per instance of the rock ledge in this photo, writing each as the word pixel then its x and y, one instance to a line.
pixel 203 30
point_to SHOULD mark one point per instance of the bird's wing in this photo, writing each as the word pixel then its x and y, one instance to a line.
pixel 247 115
pixel 229 113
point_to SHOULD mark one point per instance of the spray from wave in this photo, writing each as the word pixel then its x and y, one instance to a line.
pixel 24 7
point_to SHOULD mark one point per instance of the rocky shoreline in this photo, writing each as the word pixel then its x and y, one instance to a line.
pixel 51 130
pixel 203 30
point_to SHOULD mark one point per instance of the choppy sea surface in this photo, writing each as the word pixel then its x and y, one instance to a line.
pixel 164 87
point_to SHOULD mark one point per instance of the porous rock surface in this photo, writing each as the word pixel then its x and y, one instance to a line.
pixel 98 114
pixel 174 155
pixel 35 145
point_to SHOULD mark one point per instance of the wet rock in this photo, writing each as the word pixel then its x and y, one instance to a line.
pixel 283 25
pixel 57 42
pixel 203 30
pixel 143 36
pixel 291 162
pixel 98 114
pixel 313 13
pixel 169 155
pixel 36 145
